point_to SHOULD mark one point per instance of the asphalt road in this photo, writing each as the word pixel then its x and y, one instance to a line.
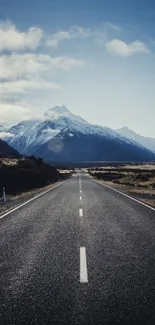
pixel 72 257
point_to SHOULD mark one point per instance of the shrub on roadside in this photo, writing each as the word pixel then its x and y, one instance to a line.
pixel 29 173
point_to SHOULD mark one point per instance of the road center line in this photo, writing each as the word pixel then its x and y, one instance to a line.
pixel 80 198
pixel 81 212
pixel 83 266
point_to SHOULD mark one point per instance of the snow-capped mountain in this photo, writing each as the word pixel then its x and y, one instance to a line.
pixel 58 112
pixel 19 136
pixel 75 146
pixel 49 129
pixel 147 142
pixel 24 126
pixel 61 135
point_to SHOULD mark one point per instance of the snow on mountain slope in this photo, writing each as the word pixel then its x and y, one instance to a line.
pixel 42 132
pixel 21 134
pixel 28 136
pixel 24 126
pixel 47 130
pixel 92 129
pixel 70 145
pixel 64 118
pixel 31 133
pixel 147 142
pixel 61 111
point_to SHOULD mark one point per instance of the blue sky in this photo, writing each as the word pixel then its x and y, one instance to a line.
pixel 96 57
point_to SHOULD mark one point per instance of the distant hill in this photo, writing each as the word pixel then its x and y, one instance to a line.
pixel 7 151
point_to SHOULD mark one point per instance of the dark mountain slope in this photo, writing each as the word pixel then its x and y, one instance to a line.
pixel 80 147
pixel 7 151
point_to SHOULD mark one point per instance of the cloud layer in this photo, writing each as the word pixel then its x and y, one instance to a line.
pixel 55 39
pixel 14 40
pixel 123 49
pixel 11 112
pixel 28 68
pixel 33 64
pixel 6 134
pixel 24 70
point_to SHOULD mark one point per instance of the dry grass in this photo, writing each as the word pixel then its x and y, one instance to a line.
pixel 9 161
pixel 64 171
pixel 142 166
pixel 136 183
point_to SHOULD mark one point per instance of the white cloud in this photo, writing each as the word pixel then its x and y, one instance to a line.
pixel 103 29
pixel 12 39
pixel 5 134
pixel 66 63
pixel 23 86
pixel 74 32
pixel 123 49
pixel 113 27
pixel 27 75
pixel 77 31
pixel 10 112
pixel 31 64
pixel 56 38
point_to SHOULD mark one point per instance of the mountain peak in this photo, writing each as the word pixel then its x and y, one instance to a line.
pixel 58 112
pixel 125 131
pixel 60 109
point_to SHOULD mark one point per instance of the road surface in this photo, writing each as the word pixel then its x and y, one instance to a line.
pixel 79 254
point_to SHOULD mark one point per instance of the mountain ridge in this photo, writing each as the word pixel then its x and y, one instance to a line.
pixel 147 142
pixel 7 151
pixel 62 133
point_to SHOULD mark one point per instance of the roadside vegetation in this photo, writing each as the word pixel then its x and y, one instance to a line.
pixel 138 180
pixel 24 174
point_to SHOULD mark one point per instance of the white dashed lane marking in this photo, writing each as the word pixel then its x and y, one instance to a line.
pixel 83 266
pixel 81 212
